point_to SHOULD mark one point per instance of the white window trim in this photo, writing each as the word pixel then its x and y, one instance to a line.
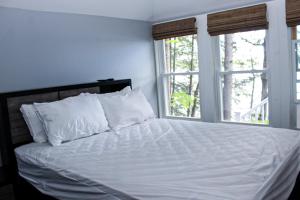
pixel 158 47
pixel 161 76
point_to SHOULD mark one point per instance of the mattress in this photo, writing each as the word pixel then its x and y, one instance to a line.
pixel 168 160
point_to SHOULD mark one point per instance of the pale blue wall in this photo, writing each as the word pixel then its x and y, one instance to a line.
pixel 42 49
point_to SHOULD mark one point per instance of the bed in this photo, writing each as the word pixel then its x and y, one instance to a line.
pixel 158 159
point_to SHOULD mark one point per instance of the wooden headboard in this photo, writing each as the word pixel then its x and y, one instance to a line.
pixel 13 129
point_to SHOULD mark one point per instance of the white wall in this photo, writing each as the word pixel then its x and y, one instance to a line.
pixel 207 62
pixel 298 116
pixel 279 60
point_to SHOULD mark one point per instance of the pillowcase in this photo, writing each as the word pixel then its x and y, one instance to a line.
pixel 122 111
pixel 72 118
pixel 34 124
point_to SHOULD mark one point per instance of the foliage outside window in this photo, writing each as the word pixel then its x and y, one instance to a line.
pixel 243 79
pixel 181 77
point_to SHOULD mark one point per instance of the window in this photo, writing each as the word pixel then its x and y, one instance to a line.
pixel 243 77
pixel 179 73
pixel 296 44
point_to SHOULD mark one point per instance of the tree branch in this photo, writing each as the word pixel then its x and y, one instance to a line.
pixel 258 43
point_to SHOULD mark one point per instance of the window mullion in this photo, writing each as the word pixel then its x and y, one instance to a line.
pixel 243 72
pixel 180 73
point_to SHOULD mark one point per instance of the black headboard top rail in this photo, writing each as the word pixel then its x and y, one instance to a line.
pixel 13 130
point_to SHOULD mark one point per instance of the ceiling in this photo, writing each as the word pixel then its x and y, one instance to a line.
pixel 146 10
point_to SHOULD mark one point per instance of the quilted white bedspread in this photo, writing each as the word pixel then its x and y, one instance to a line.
pixel 168 160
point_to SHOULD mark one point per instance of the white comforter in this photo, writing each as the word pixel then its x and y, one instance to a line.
pixel 170 160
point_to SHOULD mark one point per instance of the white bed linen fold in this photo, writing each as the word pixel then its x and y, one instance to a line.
pixel 170 160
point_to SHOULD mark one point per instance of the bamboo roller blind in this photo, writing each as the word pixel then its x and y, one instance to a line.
pixel 174 29
pixel 238 20
pixel 292 12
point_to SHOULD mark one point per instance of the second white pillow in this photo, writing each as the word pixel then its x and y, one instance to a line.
pixel 125 110
pixel 34 123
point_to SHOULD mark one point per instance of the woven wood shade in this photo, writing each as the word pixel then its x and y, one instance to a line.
pixel 292 12
pixel 174 29
pixel 238 20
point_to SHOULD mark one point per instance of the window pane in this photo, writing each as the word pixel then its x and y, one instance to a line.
pixel 298 76
pixel 183 96
pixel 181 54
pixel 298 57
pixel 297 71
pixel 298 90
pixel 244 98
pixel 243 51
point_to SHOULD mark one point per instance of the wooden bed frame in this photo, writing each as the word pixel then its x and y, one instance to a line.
pixel 14 132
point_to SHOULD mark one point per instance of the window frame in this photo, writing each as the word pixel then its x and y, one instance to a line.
pixel 220 74
pixel 162 76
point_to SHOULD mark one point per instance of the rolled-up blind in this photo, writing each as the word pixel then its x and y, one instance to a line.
pixel 174 29
pixel 238 20
pixel 292 12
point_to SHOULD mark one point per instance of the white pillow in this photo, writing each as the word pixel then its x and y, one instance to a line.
pixel 34 124
pixel 72 118
pixel 126 110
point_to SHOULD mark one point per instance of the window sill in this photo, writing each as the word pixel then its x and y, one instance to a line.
pixel 244 123
pixel 182 118
pixel 222 122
